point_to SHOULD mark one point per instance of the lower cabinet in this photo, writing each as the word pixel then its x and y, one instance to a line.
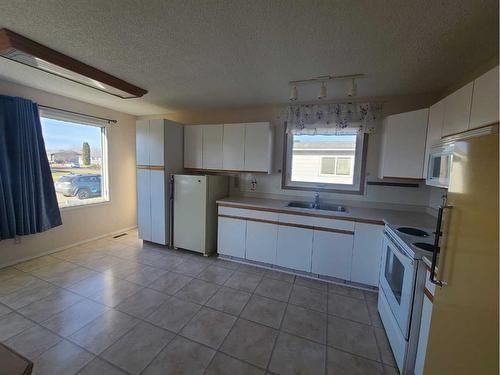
pixel 294 248
pixel 332 254
pixel 366 253
pixel 231 237
pixel 261 241
pixel 425 325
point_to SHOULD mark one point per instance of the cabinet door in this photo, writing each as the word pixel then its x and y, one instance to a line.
pixel 144 204
pixel 156 140
pixel 193 146
pixel 158 222
pixel 457 110
pixel 261 242
pixel 231 237
pixel 423 336
pixel 258 147
pixel 294 248
pixel 332 254
pixel 142 142
pixel 212 146
pixel 233 147
pixel 366 253
pixel 484 108
pixel 403 147
pixel 434 130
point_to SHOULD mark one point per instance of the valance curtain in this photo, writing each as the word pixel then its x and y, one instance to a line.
pixel 334 118
pixel 28 202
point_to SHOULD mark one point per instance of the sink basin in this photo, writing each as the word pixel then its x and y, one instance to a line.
pixel 322 206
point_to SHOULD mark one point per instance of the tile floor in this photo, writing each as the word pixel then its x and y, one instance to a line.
pixel 118 306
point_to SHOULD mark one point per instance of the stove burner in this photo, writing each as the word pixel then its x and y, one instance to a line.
pixel 413 231
pixel 424 246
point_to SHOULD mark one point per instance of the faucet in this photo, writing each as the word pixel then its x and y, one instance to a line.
pixel 316 200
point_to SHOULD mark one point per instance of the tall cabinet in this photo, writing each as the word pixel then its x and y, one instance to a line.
pixel 158 154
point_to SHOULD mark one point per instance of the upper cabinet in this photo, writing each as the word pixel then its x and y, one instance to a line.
pixel 229 147
pixel 484 108
pixel 403 145
pixel 457 108
pixel 434 130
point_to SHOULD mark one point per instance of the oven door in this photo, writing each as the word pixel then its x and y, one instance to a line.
pixel 397 281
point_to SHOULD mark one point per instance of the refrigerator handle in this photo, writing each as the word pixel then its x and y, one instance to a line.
pixel 171 212
pixel 438 233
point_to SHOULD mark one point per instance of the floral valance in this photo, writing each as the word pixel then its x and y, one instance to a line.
pixel 335 118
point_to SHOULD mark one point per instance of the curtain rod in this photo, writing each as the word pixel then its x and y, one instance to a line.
pixel 79 113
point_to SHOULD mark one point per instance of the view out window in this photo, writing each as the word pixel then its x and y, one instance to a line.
pixel 324 162
pixel 77 158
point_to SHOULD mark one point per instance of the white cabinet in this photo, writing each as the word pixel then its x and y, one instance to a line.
pixel 158 219
pixel 403 145
pixel 366 253
pixel 457 110
pixel 193 146
pixel 156 142
pixel 231 237
pixel 294 248
pixel 434 131
pixel 212 146
pixel 261 242
pixel 332 254
pixel 144 203
pixel 423 336
pixel 233 147
pixel 258 147
pixel 142 142
pixel 484 108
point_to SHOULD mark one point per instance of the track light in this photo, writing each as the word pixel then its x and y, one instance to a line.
pixel 294 95
pixel 322 91
pixel 353 90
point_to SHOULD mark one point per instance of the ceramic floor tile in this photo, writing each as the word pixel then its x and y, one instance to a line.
pixel 170 283
pixel 52 271
pixel 215 275
pixel 4 310
pixel 103 331
pixel 224 365
pixel 229 300
pixel 339 362
pixel 305 323
pixel 389 370
pixel 226 264
pixel 374 314
pixel 113 295
pixel 311 283
pixel 92 285
pixel 294 355
pixel 279 290
pixel 134 351
pixel 209 327
pixel 145 275
pixel 63 358
pixel 278 275
pixel 33 264
pixel 190 268
pixel 13 324
pixel 352 337
pixel 309 298
pixel 250 342
pixel 16 282
pixel 197 291
pixel 385 348
pixel 248 268
pixel 348 308
pixel 142 303
pixel 243 281
pixel 8 273
pixel 33 341
pixel 181 357
pixel 346 291
pixel 72 276
pixel 25 296
pixel 264 311
pixel 100 367
pixel 46 307
pixel 173 314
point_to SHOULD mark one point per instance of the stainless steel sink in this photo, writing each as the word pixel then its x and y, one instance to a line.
pixel 322 206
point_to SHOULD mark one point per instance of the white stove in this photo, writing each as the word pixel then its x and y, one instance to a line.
pixel 416 241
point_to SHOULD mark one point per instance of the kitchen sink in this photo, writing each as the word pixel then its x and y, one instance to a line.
pixel 322 206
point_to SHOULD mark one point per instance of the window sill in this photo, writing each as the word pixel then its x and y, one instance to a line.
pixel 359 191
pixel 71 208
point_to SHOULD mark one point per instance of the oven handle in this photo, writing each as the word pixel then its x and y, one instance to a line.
pixel 438 233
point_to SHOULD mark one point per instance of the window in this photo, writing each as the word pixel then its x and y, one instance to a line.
pixel 77 159
pixel 324 162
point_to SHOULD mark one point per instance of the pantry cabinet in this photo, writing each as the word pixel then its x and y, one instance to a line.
pixel 294 248
pixel 484 108
pixel 457 108
pixel 332 254
pixel 366 253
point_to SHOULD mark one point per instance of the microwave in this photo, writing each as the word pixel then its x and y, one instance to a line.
pixel 439 167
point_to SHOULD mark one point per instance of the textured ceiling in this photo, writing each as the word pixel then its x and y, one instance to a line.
pixel 194 53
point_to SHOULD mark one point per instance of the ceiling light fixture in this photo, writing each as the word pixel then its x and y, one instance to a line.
pixel 294 94
pixel 17 48
pixel 322 91
pixel 323 79
pixel 353 89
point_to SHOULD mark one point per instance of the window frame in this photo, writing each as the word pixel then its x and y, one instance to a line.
pixel 358 187
pixel 79 119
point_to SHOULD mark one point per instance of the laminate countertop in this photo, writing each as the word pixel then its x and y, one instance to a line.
pixel 358 214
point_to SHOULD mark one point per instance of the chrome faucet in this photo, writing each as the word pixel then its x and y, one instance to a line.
pixel 316 200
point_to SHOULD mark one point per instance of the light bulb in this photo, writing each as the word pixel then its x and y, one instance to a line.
pixel 353 90
pixel 322 91
pixel 294 94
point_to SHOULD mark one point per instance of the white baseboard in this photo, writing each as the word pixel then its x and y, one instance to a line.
pixel 51 251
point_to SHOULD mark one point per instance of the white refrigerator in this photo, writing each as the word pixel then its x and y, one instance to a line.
pixel 195 211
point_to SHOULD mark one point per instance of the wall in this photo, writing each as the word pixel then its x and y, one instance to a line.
pixel 86 222
pixel 270 185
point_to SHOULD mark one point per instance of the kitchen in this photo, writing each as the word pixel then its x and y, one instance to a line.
pixel 335 227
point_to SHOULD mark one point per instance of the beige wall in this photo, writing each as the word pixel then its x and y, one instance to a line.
pixel 86 222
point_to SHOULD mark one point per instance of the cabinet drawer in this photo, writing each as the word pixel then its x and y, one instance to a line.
pixel 296 219
pixel 247 213
pixel 334 224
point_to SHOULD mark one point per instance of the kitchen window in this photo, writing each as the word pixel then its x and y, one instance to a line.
pixel 324 162
pixel 77 154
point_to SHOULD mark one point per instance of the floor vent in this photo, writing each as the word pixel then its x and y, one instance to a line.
pixel 120 235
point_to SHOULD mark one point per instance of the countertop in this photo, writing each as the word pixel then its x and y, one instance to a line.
pixel 361 214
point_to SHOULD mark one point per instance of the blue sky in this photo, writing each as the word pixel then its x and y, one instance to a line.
pixel 62 135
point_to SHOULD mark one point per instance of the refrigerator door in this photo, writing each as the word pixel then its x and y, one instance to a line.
pixel 463 336
pixel 190 203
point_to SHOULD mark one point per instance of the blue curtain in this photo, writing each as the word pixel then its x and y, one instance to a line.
pixel 28 202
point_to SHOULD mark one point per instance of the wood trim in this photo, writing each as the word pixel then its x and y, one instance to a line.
pixel 429 295
pixel 204 170
pixel 10 41
pixel 298 213
pixel 151 167
pixel 289 224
